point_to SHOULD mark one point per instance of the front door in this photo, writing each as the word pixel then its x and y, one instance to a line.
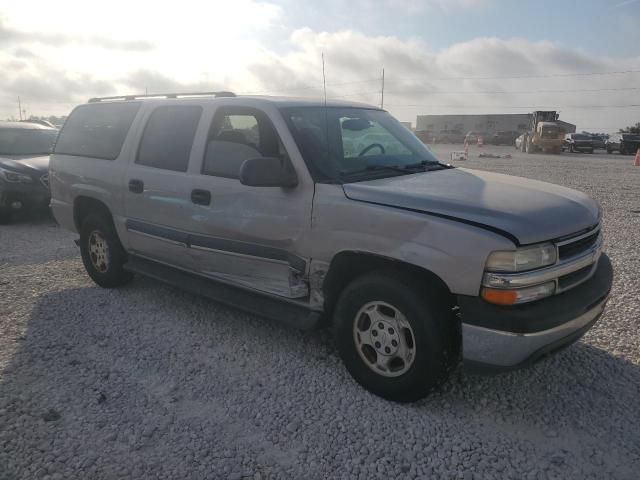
pixel 250 236
pixel 157 200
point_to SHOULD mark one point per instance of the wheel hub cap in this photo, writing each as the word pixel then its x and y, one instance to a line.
pixel 384 339
pixel 98 251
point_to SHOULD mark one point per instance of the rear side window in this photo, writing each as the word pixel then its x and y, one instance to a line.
pixel 168 136
pixel 97 130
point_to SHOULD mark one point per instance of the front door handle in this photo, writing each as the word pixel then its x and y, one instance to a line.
pixel 200 197
pixel 136 186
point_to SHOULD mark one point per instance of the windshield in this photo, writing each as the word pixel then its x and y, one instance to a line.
pixel 23 141
pixel 360 140
pixel 580 137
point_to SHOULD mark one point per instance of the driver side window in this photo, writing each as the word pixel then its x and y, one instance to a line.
pixel 367 137
pixel 238 134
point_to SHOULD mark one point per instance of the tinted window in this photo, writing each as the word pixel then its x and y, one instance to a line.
pixel 238 134
pixel 168 136
pixel 97 130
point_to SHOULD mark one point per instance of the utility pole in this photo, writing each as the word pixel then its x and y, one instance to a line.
pixel 19 109
pixel 382 99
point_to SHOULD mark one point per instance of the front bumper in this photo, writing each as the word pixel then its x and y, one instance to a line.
pixel 27 195
pixel 504 338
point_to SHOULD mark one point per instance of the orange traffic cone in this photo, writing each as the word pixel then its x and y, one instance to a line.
pixel 637 160
pixel 480 141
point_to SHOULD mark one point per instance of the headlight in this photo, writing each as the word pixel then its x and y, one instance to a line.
pixel 14 177
pixel 522 259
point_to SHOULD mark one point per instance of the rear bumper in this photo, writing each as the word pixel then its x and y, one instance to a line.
pixel 497 338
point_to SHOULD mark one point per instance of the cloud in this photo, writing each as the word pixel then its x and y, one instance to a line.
pixel 466 77
pixel 12 36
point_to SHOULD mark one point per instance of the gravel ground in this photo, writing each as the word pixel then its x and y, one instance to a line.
pixel 150 382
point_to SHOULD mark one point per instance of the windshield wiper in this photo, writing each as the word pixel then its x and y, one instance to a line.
pixel 426 166
pixel 376 168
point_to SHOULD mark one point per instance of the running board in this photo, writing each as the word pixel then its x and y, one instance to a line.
pixel 291 313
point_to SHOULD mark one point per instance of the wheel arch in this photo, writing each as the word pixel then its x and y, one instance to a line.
pixel 348 265
pixel 84 205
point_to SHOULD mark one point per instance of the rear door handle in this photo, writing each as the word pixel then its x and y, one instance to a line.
pixel 200 197
pixel 136 186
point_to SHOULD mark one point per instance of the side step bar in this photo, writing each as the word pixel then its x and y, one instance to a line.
pixel 293 314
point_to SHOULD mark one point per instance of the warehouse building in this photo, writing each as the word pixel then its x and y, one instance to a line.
pixel 490 123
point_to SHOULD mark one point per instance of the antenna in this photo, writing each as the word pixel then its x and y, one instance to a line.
pixel 382 99
pixel 324 82
pixel 19 108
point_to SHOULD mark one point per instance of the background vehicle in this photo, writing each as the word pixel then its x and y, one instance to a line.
pixel 504 138
pixel 598 142
pixel 24 166
pixel 449 136
pixel 578 142
pixel 543 133
pixel 625 143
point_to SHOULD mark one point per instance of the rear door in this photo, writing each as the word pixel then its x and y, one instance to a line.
pixel 157 199
pixel 250 236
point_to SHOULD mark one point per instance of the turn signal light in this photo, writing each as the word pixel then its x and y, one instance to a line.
pixel 500 297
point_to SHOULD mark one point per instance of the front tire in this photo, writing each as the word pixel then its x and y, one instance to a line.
pixel 392 341
pixel 102 253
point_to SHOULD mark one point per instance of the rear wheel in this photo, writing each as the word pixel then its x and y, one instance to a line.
pixel 102 253
pixel 392 340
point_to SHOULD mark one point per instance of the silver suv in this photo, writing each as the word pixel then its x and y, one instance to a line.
pixel 332 214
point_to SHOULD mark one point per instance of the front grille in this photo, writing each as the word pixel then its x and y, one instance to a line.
pixel 579 246
pixel 44 179
pixel 573 278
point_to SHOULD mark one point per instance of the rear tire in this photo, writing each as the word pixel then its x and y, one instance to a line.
pixel 393 341
pixel 102 253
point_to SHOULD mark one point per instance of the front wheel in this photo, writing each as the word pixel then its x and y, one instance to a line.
pixel 392 341
pixel 102 253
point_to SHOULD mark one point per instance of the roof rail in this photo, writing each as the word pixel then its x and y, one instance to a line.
pixel 164 95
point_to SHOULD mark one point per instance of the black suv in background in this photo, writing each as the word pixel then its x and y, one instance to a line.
pixel 578 142
pixel 625 143
pixel 24 166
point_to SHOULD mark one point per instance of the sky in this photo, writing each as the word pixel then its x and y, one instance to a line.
pixel 579 57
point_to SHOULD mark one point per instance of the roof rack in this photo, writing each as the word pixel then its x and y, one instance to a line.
pixel 164 95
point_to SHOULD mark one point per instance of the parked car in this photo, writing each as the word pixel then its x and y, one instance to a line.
pixel 578 142
pixel 625 143
pixel 519 142
pixel 504 138
pixel 598 142
pixel 472 137
pixel 453 137
pixel 24 166
pixel 257 203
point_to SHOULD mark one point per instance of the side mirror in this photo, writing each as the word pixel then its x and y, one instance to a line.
pixel 267 172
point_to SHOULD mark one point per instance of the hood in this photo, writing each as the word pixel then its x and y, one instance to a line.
pixel 529 210
pixel 25 163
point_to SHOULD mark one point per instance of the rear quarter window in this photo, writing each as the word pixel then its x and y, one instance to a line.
pixel 97 130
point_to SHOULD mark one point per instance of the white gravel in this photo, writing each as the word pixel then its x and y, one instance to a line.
pixel 150 382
